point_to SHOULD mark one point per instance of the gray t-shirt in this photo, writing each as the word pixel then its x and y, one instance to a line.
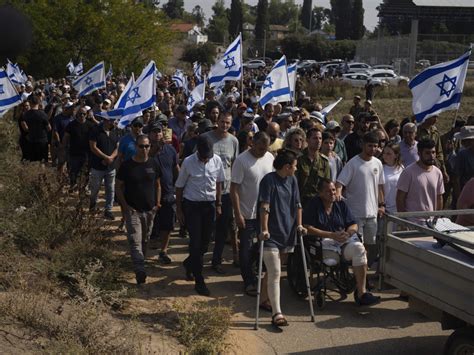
pixel 227 149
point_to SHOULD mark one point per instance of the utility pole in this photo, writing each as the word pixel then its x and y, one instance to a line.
pixel 264 44
pixel 310 16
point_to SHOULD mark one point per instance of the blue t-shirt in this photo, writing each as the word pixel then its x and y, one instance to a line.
pixel 339 219
pixel 284 198
pixel 167 159
pixel 127 146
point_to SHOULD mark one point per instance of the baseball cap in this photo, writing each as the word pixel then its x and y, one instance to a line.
pixel 69 104
pixel 204 147
pixel 205 125
pixel 138 120
pixel 331 125
pixel 182 109
pixel 369 102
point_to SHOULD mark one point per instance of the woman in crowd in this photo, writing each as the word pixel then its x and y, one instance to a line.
pixel 392 127
pixel 245 139
pixel 280 215
pixel 392 168
pixel 295 140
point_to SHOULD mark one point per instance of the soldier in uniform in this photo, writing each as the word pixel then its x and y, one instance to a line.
pixel 311 166
pixel 356 108
pixel 427 129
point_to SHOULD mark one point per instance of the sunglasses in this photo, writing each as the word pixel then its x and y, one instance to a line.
pixel 137 125
pixel 350 122
pixel 143 146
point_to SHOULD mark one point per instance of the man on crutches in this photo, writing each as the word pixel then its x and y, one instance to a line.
pixel 280 216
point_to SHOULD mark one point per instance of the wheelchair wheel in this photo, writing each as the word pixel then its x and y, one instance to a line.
pixel 295 273
pixel 320 298
pixel 344 279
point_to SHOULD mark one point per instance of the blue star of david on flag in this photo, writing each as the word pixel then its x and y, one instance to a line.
pixel 88 80
pixel 229 62
pixel 134 95
pixel 268 83
pixel 447 80
pixel 191 101
pixel 1 89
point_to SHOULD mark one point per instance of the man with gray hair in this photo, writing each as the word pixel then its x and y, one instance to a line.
pixel 408 145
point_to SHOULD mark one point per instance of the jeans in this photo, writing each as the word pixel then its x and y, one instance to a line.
pixel 247 252
pixel 368 229
pixel 200 219
pixel 222 229
pixel 139 225
pixel 76 164
pixel 96 177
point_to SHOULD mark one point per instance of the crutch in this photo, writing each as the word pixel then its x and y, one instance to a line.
pixel 306 276
pixel 259 284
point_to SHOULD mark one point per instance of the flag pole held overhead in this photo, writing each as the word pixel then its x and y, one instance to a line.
pixel 93 79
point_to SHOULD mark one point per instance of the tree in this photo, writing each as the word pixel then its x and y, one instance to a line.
pixel 94 31
pixel 219 23
pixel 198 15
pixel 342 10
pixel 174 9
pixel 235 19
pixel 203 53
pixel 306 14
pixel 321 17
pixel 358 28
pixel 261 24
pixel 282 13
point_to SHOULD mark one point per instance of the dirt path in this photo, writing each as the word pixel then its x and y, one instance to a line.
pixel 340 328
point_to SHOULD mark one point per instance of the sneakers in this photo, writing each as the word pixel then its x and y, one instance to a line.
pixel 218 268
pixel 109 216
pixel 189 273
pixel 251 290
pixel 140 277
pixel 164 258
pixel 202 289
pixel 367 299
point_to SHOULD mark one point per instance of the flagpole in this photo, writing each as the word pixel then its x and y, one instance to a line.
pixel 242 66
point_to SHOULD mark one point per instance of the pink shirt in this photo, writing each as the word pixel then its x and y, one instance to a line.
pixel 422 188
pixel 466 201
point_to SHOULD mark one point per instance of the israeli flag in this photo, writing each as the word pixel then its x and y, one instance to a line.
pixel 70 67
pixel 9 97
pixel 329 107
pixel 292 79
pixel 229 67
pixel 119 106
pixel 439 88
pixel 276 87
pixel 197 95
pixel 197 71
pixel 142 95
pixel 16 75
pixel 93 80
pixel 179 78
pixel 79 69
pixel 109 74
pixel 158 75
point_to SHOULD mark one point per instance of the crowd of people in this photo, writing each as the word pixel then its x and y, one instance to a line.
pixel 230 170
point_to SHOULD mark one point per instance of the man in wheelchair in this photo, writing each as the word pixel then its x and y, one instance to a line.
pixel 333 222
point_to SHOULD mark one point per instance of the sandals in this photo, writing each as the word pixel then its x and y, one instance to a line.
pixel 266 306
pixel 278 320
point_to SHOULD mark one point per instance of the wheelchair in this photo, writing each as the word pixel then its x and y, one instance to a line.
pixel 324 274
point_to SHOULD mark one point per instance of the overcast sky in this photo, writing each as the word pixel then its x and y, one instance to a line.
pixel 370 18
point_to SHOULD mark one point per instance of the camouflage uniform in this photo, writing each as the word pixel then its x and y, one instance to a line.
pixel 309 173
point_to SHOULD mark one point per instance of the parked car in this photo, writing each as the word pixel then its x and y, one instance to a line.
pixel 383 66
pixel 389 76
pixel 356 67
pixel 360 79
pixel 255 64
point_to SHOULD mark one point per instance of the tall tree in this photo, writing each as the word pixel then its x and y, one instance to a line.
pixel 343 14
pixel 235 18
pixel 174 8
pixel 282 12
pixel 321 16
pixel 358 28
pixel 306 14
pixel 219 23
pixel 198 15
pixel 261 24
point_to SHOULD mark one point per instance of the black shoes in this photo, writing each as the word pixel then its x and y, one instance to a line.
pixel 367 299
pixel 189 273
pixel 202 289
pixel 218 268
pixel 109 216
pixel 141 277
pixel 164 258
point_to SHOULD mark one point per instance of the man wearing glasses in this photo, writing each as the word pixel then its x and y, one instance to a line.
pixel 347 126
pixel 127 146
pixel 76 137
pixel 139 193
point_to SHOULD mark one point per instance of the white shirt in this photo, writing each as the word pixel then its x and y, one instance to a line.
pixel 200 179
pixel 391 175
pixel 361 179
pixel 247 172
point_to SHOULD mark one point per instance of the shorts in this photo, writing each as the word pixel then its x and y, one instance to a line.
pixel 165 216
pixel 352 251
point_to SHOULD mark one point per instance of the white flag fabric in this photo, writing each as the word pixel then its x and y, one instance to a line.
pixel 197 95
pixel 9 97
pixel 197 71
pixel 439 88
pixel 229 66
pixel 119 106
pixel 179 78
pixel 110 73
pixel 16 75
pixel 142 95
pixel 79 69
pixel 292 79
pixel 329 107
pixel 92 80
pixel 276 87
pixel 70 67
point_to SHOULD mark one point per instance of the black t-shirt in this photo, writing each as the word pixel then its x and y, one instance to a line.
pixel 338 219
pixel 106 143
pixel 140 183
pixel 167 159
pixel 37 122
pixel 353 144
pixel 79 137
